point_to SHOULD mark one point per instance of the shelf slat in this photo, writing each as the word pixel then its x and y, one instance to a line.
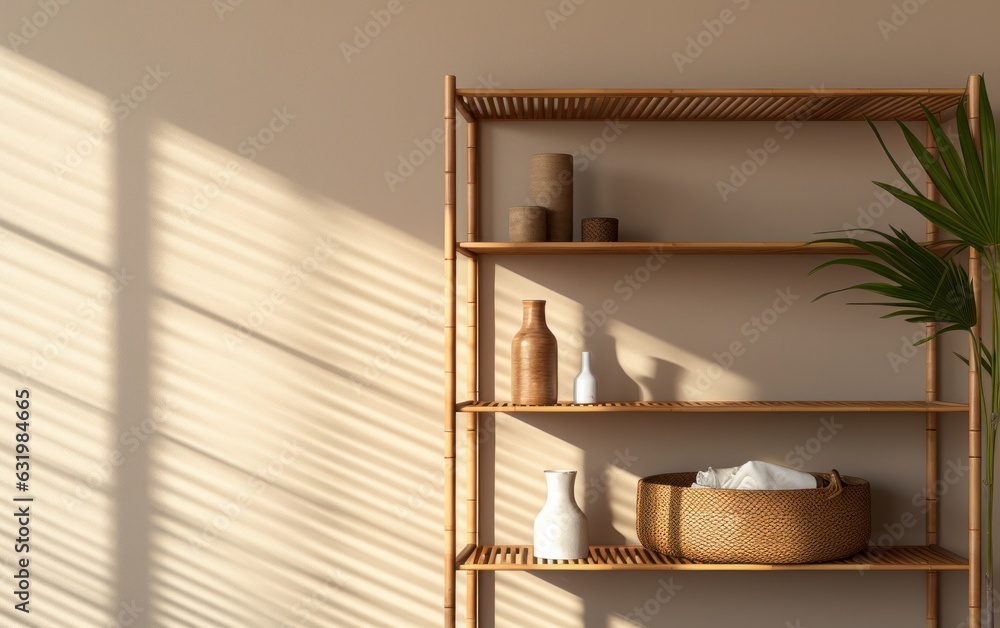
pixel 658 248
pixel 721 406
pixel 705 104
pixel 638 558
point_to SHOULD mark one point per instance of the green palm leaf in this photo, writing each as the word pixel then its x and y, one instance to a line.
pixel 991 163
pixel 969 185
pixel 920 285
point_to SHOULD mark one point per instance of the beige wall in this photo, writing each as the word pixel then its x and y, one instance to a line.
pixel 243 429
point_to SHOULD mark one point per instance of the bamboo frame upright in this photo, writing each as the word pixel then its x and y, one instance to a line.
pixel 975 410
pixel 472 362
pixel 476 106
pixel 449 351
pixel 932 468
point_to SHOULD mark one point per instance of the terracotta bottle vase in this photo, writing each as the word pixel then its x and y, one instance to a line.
pixel 534 359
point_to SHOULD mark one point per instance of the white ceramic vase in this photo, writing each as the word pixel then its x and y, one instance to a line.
pixel 585 384
pixel 561 527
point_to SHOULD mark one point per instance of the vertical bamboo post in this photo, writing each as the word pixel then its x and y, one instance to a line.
pixel 472 381
pixel 975 420
pixel 472 212
pixel 449 351
pixel 472 182
pixel 932 468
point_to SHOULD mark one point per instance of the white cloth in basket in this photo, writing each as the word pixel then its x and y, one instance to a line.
pixel 755 476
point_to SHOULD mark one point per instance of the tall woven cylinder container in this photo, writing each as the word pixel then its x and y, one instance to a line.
pixel 534 359
pixel 766 527
pixel 550 185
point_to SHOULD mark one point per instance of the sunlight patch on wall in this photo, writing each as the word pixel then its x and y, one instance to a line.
pixel 58 293
pixel 257 286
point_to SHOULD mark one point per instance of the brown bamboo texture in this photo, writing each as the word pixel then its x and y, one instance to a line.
pixel 449 352
pixel 472 369
pixel 975 418
pixel 931 421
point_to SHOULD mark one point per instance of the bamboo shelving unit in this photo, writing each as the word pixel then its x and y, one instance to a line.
pixel 476 106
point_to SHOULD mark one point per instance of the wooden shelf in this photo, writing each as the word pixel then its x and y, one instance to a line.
pixel 638 558
pixel 659 248
pixel 703 104
pixel 721 406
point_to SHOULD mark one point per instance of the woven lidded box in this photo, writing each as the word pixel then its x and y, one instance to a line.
pixel 599 230
pixel 736 526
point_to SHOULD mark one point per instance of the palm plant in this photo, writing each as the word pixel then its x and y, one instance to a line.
pixel 929 285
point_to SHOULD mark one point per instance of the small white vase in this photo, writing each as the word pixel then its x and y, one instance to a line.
pixel 585 384
pixel 561 527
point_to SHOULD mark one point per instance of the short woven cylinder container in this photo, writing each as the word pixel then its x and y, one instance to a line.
pixel 766 527
pixel 526 223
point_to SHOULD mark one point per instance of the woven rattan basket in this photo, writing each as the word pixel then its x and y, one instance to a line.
pixel 734 526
